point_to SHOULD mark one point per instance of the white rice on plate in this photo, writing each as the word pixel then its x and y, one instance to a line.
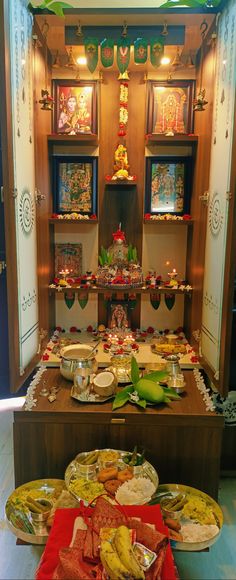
pixel 198 532
pixel 135 491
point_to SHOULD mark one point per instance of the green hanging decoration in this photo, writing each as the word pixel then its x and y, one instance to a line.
pixel 155 300
pixel 132 301
pixel 123 54
pixel 83 299
pixel 107 52
pixel 91 52
pixel 140 51
pixel 169 300
pixel 156 51
pixel 69 298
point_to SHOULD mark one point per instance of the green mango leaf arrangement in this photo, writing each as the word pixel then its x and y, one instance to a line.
pixel 132 254
pixel 145 390
pixel 105 258
pixel 55 6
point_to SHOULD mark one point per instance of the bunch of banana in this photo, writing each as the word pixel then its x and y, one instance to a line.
pixel 118 558
pixel 89 459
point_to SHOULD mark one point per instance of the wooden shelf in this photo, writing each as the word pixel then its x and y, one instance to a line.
pixel 121 182
pixel 175 139
pixel 109 290
pixel 71 221
pixel 75 139
pixel 177 223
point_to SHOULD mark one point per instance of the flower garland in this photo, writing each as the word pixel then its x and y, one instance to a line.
pixel 123 110
pixel 203 390
pixel 30 402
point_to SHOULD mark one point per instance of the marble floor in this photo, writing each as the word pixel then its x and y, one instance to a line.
pixel 20 562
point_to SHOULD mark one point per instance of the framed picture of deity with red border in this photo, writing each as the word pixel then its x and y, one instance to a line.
pixel 75 109
pixel 170 107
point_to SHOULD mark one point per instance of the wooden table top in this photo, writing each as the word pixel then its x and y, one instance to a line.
pixel 189 408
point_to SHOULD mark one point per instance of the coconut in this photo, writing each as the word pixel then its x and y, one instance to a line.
pixel 104 383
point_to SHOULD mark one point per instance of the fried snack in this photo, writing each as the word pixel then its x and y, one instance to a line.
pixel 125 475
pixel 106 474
pixel 112 485
pixel 175 535
pixel 173 524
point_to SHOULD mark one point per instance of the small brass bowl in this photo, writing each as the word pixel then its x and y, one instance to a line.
pixel 169 513
pixel 38 518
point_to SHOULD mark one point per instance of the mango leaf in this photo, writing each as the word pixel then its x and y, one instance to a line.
pixel 166 400
pixel 156 376
pixel 56 6
pixel 134 371
pixel 171 393
pixel 122 397
pixel 142 403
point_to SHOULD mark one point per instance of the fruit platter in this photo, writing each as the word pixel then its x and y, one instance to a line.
pixel 163 348
pixel 124 477
pixel 194 519
pixel 28 508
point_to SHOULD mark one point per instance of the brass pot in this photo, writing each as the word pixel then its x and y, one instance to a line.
pixel 80 358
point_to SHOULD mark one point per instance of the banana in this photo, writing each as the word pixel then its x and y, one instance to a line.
pixel 122 543
pixel 112 563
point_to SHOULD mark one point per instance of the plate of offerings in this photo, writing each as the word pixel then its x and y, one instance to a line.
pixel 122 476
pixel 164 348
pixel 29 506
pixel 194 519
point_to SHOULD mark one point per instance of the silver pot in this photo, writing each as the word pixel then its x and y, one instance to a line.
pixel 172 364
pixel 80 358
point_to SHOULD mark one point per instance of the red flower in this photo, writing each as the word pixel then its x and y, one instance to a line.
pixel 121 133
pixel 73 329
pixel 89 328
pixel 166 331
pixel 120 351
pixel 78 280
pixel 49 348
pixel 56 280
pixel 54 216
pixel 143 333
pixel 147 216
pixel 120 342
pixel 179 329
pixel 194 359
pixel 45 356
pixel 108 178
pixel 119 235
pixel 134 346
pixel 58 328
pixel 106 346
pixel 70 280
pixel 93 216
pixel 150 330
pixel 187 216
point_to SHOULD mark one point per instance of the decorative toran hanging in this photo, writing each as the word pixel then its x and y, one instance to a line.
pixel 200 101
pixel 46 100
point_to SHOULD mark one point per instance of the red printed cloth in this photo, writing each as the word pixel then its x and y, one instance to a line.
pixel 62 530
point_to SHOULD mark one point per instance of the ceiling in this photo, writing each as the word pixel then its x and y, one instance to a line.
pixel 189 46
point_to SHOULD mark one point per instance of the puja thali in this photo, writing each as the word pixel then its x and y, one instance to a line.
pixel 18 515
pixel 106 475
pixel 194 519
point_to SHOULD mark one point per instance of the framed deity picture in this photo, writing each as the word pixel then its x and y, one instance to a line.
pixel 68 258
pixel 170 107
pixel 168 185
pixel 118 315
pixel 75 184
pixel 75 109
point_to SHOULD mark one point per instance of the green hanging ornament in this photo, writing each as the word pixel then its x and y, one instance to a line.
pixel 123 54
pixel 83 299
pixel 169 300
pixel 107 52
pixel 140 51
pixel 155 300
pixel 156 51
pixel 91 52
pixel 69 298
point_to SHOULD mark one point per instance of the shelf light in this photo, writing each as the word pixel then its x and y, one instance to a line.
pixel 82 60
pixel 165 60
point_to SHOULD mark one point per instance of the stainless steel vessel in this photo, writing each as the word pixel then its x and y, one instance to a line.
pixel 172 364
pixel 79 358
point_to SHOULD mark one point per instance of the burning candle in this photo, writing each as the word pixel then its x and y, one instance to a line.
pixel 173 275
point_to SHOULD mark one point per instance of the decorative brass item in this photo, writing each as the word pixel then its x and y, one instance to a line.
pixel 200 101
pixel 189 61
pixel 57 62
pixel 70 63
pixel 165 31
pixel 79 31
pixel 177 63
pixel 125 30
